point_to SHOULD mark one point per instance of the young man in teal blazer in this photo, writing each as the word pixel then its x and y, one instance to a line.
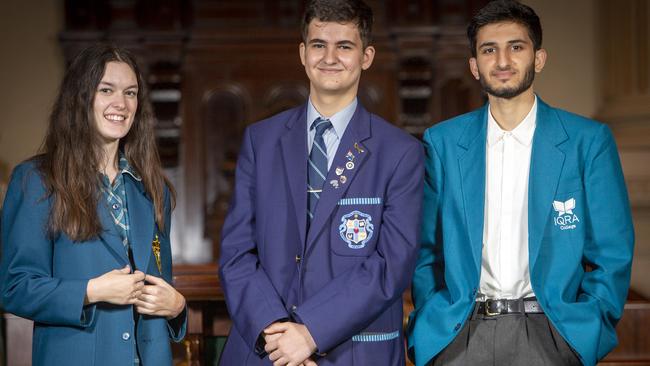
pixel 527 238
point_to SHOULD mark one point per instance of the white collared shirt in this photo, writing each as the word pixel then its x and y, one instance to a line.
pixel 505 268
pixel 332 136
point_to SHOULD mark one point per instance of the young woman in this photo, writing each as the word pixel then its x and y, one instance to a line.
pixel 85 226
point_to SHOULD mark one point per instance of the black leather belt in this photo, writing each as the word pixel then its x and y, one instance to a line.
pixel 499 307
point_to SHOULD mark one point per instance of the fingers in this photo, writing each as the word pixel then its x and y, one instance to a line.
pixel 310 362
pixel 281 362
pixel 146 308
pixel 125 270
pixel 152 290
pixel 155 280
pixel 138 286
pixel 268 338
pixel 271 346
pixel 276 328
pixel 276 356
pixel 148 299
pixel 138 276
pixel 145 311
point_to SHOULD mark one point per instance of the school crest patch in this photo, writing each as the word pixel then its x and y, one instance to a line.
pixel 356 229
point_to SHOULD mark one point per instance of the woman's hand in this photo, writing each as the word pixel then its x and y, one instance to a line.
pixel 119 286
pixel 159 298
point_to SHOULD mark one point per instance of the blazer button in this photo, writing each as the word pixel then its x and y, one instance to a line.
pixel 457 327
pixel 115 206
pixel 298 258
pixel 294 308
pixel 126 336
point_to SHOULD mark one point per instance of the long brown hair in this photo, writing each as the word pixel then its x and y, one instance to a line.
pixel 71 152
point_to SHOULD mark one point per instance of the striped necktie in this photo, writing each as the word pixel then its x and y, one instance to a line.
pixel 317 165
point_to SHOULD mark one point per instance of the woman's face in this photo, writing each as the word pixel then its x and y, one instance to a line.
pixel 116 101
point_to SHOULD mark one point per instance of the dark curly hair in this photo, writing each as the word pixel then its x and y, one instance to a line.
pixel 498 11
pixel 341 11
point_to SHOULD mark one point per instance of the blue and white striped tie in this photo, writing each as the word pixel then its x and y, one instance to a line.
pixel 317 170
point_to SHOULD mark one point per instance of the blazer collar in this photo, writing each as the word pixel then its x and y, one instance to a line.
pixel 546 164
pixel 294 153
pixel 471 164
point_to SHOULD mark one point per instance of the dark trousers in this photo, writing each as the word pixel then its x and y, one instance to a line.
pixel 507 340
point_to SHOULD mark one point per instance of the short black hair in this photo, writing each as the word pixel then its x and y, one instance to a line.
pixel 498 11
pixel 341 11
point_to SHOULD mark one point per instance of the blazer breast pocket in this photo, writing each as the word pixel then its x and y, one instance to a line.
pixel 356 228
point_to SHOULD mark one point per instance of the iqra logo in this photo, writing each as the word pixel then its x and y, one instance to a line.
pixel 565 219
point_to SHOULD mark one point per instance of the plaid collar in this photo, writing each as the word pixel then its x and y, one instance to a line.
pixel 123 166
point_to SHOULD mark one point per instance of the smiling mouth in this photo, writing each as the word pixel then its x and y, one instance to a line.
pixel 329 71
pixel 503 75
pixel 115 117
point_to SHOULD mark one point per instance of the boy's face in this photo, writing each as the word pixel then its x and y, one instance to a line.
pixel 333 56
pixel 506 60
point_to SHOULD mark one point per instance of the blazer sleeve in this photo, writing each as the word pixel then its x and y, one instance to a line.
pixel 351 301
pixel 252 300
pixel 177 326
pixel 428 278
pixel 28 288
pixel 610 245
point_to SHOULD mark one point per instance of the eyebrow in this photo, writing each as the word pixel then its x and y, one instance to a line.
pixel 113 85
pixel 343 42
pixel 485 44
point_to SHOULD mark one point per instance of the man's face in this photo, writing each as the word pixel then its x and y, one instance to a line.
pixel 333 56
pixel 506 60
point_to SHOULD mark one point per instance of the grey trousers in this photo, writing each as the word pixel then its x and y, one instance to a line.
pixel 507 340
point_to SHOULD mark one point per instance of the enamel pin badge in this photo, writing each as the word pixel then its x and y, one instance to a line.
pixel 155 246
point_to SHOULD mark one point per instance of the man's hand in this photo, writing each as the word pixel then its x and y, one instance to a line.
pixel 289 344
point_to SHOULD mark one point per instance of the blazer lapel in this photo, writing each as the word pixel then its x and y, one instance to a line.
pixel 357 131
pixel 546 165
pixel 142 223
pixel 109 235
pixel 294 153
pixel 472 172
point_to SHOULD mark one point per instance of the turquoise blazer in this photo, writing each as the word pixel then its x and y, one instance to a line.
pixel 574 162
pixel 45 279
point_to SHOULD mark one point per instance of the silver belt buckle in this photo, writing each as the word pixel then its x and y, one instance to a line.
pixel 487 308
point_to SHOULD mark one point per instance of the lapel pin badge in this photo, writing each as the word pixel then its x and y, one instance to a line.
pixel 349 165
pixel 349 155
pixel 334 183
pixel 358 147
pixel 343 179
pixel 339 170
pixel 155 246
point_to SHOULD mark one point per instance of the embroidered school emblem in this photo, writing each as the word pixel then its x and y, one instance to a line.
pixel 565 218
pixel 356 229
pixel 563 208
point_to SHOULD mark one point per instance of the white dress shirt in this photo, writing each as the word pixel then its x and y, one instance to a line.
pixel 504 266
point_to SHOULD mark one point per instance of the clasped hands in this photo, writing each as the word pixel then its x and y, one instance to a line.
pixel 289 344
pixel 121 287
